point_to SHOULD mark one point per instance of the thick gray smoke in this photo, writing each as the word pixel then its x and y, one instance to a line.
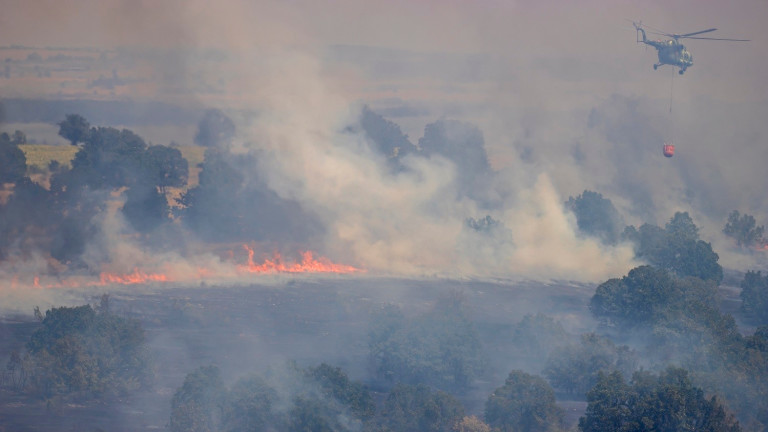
pixel 541 121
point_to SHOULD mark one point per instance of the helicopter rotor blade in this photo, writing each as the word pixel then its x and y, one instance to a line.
pixel 658 31
pixel 695 33
pixel 720 39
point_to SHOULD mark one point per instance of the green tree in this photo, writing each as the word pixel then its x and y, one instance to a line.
pixel 681 225
pixel 197 405
pixel 524 403
pixel 611 404
pixel 668 402
pixel 109 158
pixel 211 207
pixel 386 135
pixel 744 229
pixel 633 300
pixel 440 348
pixel 74 128
pixel 248 406
pixel 472 424
pixel 214 129
pixel 463 144
pixel 418 408
pixel 575 368
pixel 676 248
pixel 335 384
pixel 754 296
pixel 535 336
pixel 19 137
pixel 167 167
pixel 145 207
pixel 13 163
pixel 596 216
pixel 80 352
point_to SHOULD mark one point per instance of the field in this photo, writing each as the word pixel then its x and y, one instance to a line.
pixel 39 155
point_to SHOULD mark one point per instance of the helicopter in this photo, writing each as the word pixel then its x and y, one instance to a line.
pixel 671 51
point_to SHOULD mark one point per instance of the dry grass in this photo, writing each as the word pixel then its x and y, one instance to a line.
pixel 39 155
pixel 194 156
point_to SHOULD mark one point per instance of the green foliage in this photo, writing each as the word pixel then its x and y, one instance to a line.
pixel 335 384
pixel 13 163
pixel 196 405
pixel 248 406
pixel 744 229
pixel 74 128
pixel 524 403
pixel 462 144
pixel 80 352
pixel 471 424
pixel 145 207
pixel 210 207
pixel 19 137
pixel 681 226
pixel 167 167
pixel 596 216
pixel 676 248
pixel 311 415
pixel 668 402
pixel 754 296
pixel 389 139
pixel 575 368
pixel 535 336
pixel 214 128
pixel 677 316
pixel 417 408
pixel 440 348
pixel 110 158
pixel 635 299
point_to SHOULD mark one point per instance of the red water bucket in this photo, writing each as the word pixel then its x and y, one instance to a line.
pixel 669 150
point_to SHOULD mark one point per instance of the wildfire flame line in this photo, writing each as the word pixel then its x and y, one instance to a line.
pixel 276 264
pixel 308 264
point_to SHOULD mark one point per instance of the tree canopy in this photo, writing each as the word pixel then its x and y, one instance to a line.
pixel 386 135
pixel 13 163
pixel 667 402
pixel 81 352
pixel 677 248
pixel 574 368
pixel 524 403
pixel 440 348
pixel 75 128
pixel 596 216
pixel 743 228
pixel 754 296
pixel 214 128
pixel 416 408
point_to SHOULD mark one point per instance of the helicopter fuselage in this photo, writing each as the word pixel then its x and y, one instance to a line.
pixel 671 52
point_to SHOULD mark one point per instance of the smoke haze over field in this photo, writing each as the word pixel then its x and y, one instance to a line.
pixel 564 99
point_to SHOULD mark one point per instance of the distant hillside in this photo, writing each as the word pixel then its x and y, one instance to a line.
pixel 126 113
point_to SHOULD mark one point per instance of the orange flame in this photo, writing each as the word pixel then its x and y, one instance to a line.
pixel 308 264
pixel 276 264
pixel 136 277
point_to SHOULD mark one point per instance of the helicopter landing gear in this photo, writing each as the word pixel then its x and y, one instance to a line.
pixel 681 71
